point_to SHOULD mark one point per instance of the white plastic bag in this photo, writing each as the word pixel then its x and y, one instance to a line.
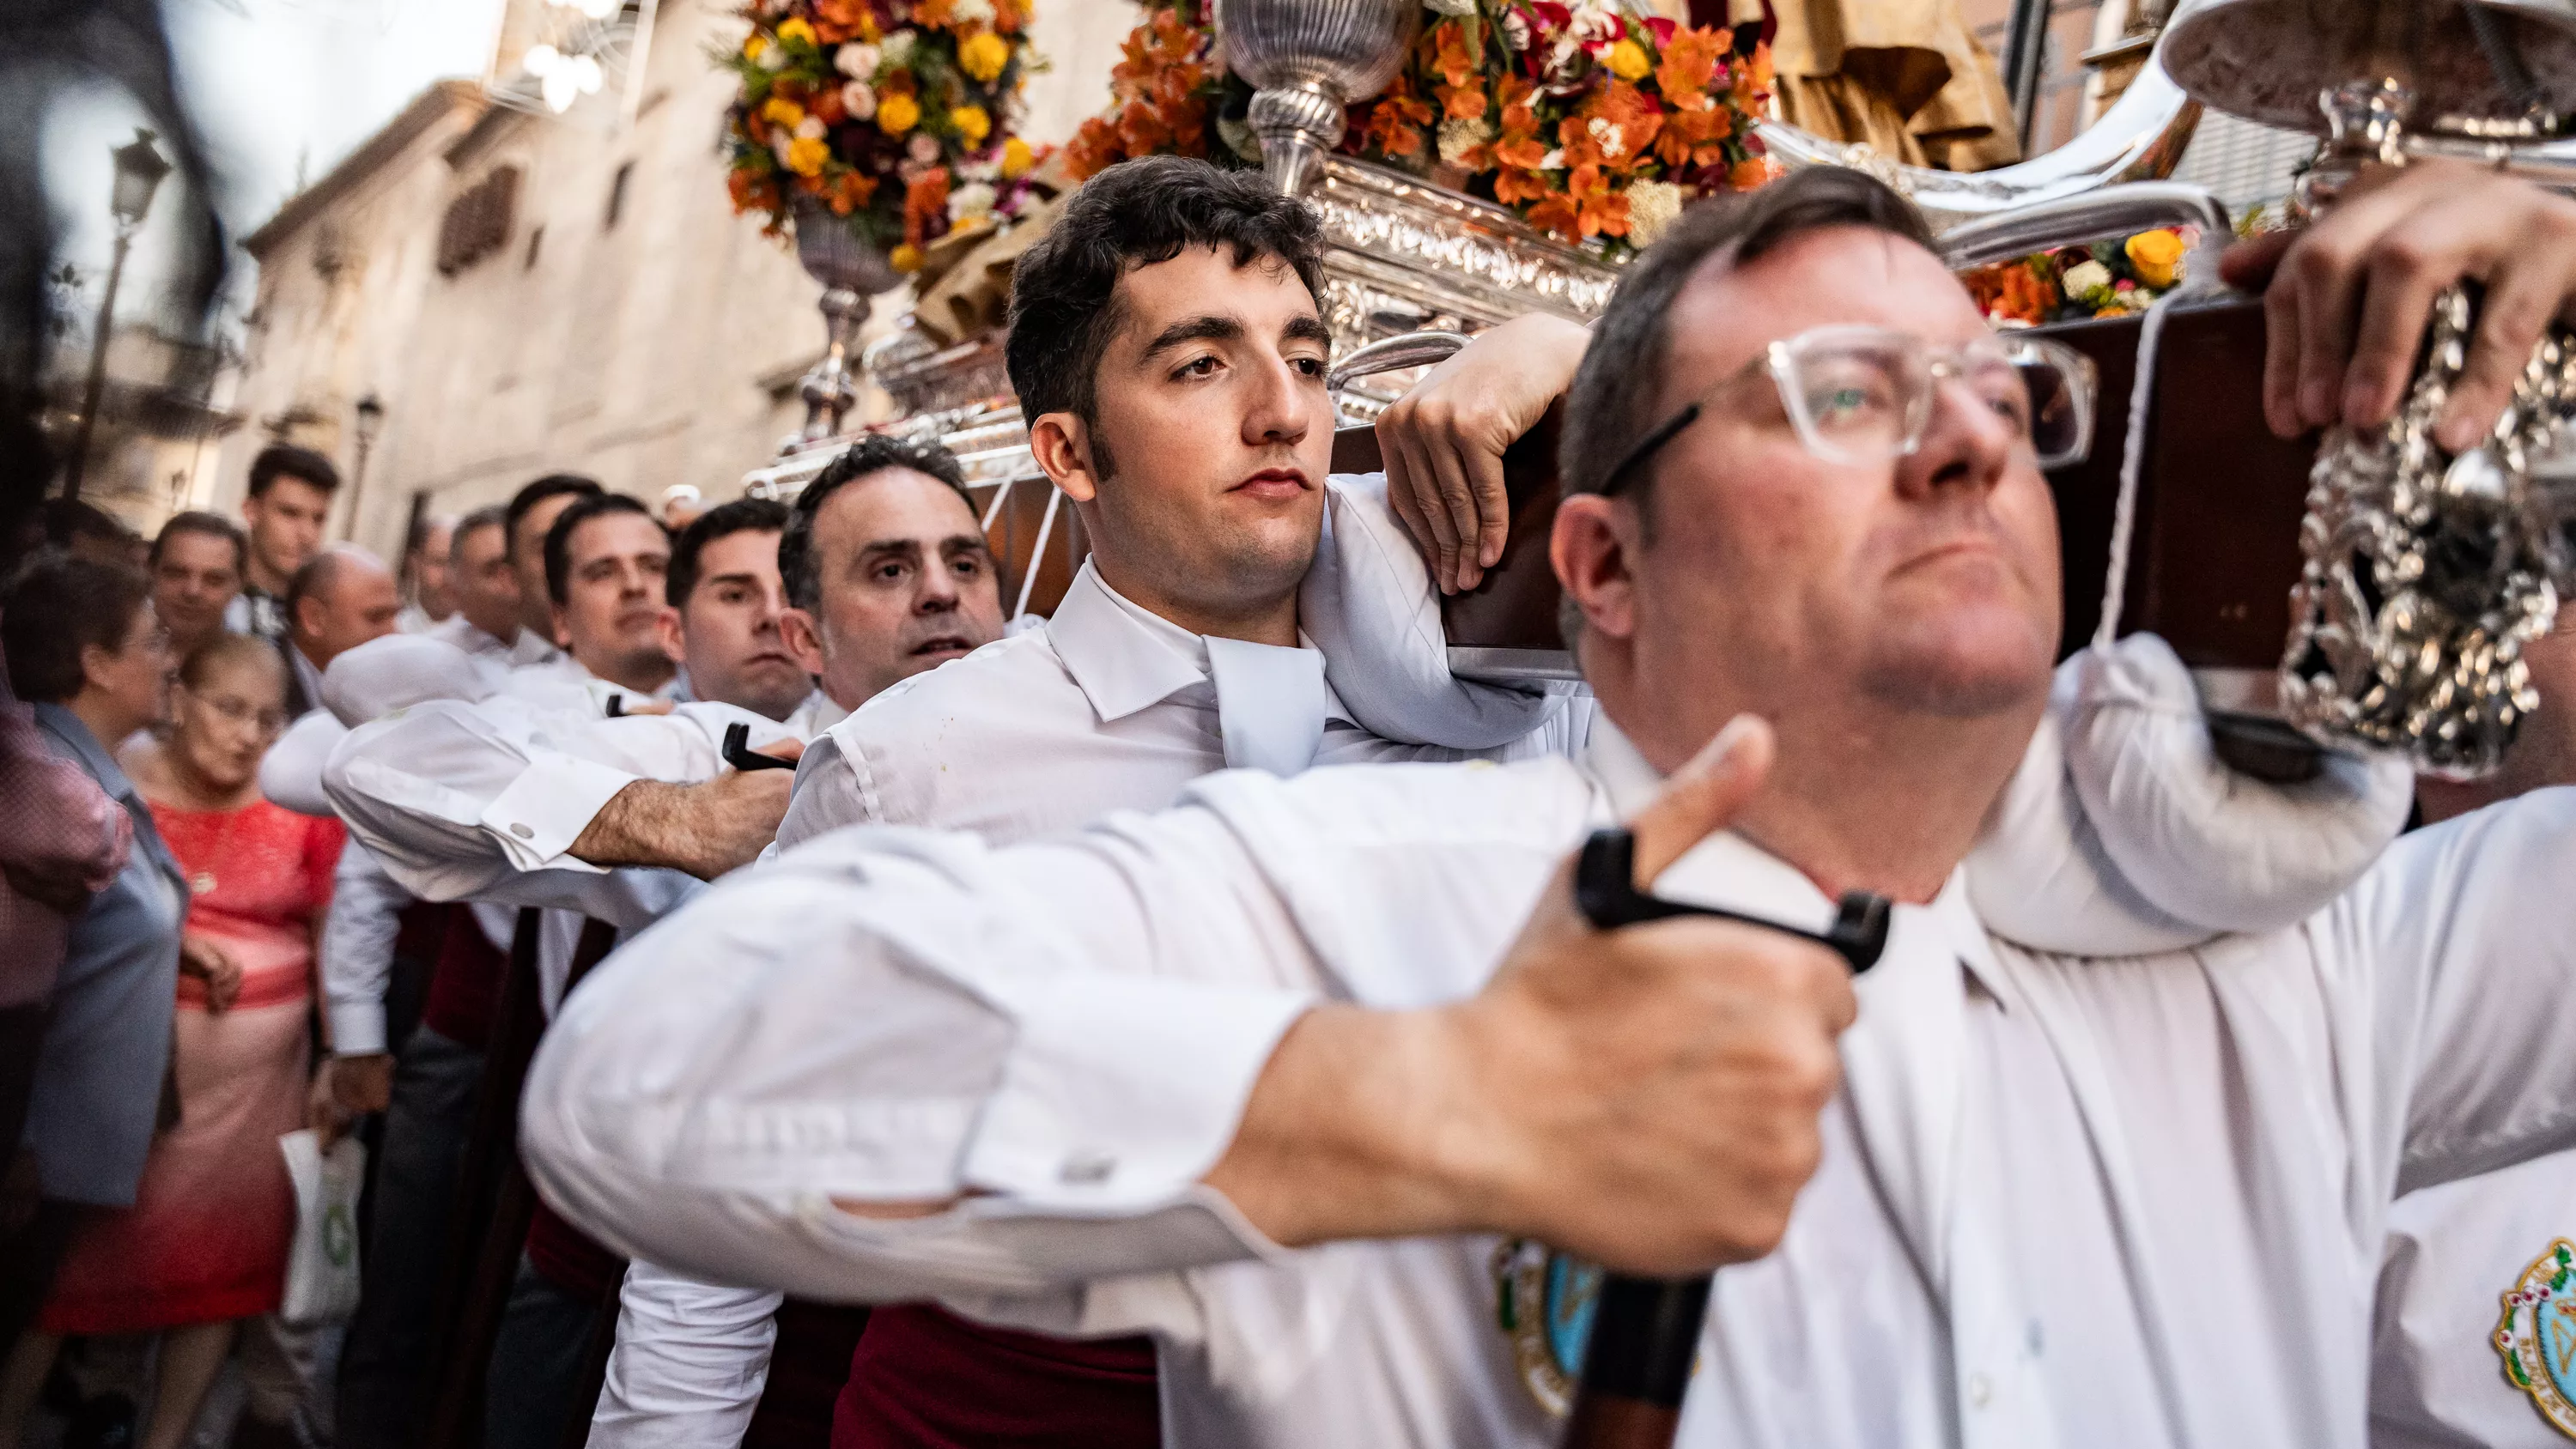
pixel 322 1267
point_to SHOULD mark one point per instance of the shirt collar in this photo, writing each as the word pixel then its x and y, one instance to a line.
pixel 1124 656
pixel 95 757
pixel 1729 871
pixel 529 648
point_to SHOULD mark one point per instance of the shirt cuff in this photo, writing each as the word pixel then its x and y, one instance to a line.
pixel 542 812
pixel 1119 1093
pixel 357 1028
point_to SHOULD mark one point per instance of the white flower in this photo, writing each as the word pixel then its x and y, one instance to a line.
pixel 1594 21
pixel 1459 136
pixel 1652 206
pixel 897 49
pixel 972 12
pixel 2085 278
pixel 1516 30
pixel 923 147
pixel 812 129
pixel 971 201
pixel 779 141
pixel 858 62
pixel 772 57
pixel 859 101
pixel 1552 161
pixel 1613 141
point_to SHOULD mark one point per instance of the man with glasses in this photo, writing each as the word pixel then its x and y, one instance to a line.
pixel 1287 1076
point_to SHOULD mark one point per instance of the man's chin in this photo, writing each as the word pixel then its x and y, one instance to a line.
pixel 1970 671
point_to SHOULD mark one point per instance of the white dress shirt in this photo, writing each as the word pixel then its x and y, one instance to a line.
pixel 492 657
pixel 2063 1200
pixel 357 956
pixel 1108 707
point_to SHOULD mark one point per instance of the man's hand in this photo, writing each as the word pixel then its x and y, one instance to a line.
pixel 211 962
pixel 322 1110
pixel 2349 298
pixel 704 829
pixel 361 1083
pixel 1443 442
pixel 1647 1097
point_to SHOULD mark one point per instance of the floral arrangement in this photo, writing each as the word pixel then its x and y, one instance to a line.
pixel 895 114
pixel 1591 122
pixel 2106 279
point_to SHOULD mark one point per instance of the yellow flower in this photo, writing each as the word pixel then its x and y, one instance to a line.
pixel 905 257
pixel 1017 158
pixel 972 124
pixel 868 28
pixel 897 113
pixel 1627 60
pixel 806 155
pixel 780 111
pixel 2157 255
pixel 795 28
pixel 982 55
pixel 753 44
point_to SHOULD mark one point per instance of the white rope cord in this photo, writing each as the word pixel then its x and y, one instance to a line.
pixel 2200 279
pixel 1037 555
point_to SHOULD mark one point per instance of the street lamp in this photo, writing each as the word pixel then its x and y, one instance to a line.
pixel 139 170
pixel 371 416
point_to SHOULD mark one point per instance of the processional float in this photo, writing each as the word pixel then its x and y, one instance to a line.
pixel 2354 590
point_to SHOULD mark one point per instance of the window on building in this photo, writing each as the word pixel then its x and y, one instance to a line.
pixel 536 239
pixel 477 222
pixel 617 195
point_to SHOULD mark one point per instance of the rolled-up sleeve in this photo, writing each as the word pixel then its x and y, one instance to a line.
pixel 462 801
pixel 1058 1039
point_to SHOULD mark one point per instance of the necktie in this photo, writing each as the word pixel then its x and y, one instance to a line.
pixel 1269 704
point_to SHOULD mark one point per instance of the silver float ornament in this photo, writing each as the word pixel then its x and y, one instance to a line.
pixel 1306 60
pixel 2424 573
pixel 851 271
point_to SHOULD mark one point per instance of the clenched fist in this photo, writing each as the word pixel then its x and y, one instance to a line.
pixel 1647 1098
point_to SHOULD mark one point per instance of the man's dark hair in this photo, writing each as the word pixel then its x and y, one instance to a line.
pixel 58 606
pixel 1064 304
pixel 800 574
pixel 559 537
pixel 553 485
pixel 1618 389
pixel 743 515
pixel 285 460
pixel 491 515
pixel 212 525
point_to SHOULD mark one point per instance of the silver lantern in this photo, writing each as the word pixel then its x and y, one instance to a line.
pixel 1306 60
pixel 851 271
pixel 2424 573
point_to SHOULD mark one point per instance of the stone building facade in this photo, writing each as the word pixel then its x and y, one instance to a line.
pixel 524 292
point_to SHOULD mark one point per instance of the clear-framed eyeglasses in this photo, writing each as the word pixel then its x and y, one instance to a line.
pixel 1860 394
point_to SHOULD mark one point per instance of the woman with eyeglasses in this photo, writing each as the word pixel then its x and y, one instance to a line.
pixel 203 1252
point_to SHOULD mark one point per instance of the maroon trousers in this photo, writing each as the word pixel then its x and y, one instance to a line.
pixel 926 1379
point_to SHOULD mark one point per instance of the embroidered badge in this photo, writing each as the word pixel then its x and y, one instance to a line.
pixel 1544 1301
pixel 2537 1337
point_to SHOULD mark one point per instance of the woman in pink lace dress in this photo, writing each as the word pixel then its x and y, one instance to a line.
pixel 204 1247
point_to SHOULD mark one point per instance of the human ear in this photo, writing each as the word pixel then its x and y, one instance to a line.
pixel 1062 447
pixel 675 640
pixel 1591 548
pixel 803 638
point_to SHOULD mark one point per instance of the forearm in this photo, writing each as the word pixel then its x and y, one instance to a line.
pixel 650 823
pixel 1350 1132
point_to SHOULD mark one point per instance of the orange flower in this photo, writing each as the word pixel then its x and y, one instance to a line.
pixel 1093 149
pixel 1462 103
pixel 1689 66
pixel 1141 128
pixel 1558 214
pixel 1455 63
pixel 933 14
pixel 1512 187
pixel 838 20
pixel 827 108
pixel 1629 119
pixel 850 191
pixel 1746 175
pixel 1692 137
pixel 925 201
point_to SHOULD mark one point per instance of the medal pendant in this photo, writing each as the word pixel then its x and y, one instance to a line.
pixel 1544 1303
pixel 203 883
